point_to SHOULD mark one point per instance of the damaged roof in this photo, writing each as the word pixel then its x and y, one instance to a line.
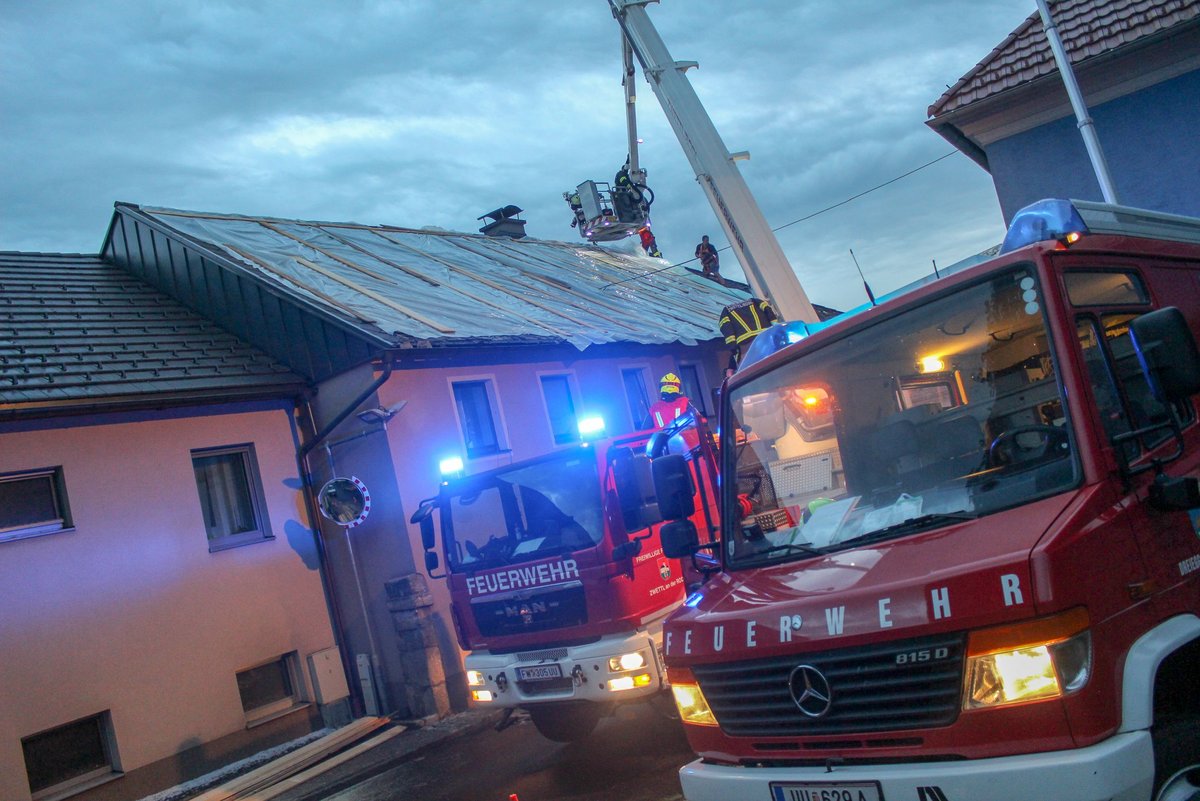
pixel 401 287
pixel 75 329
pixel 1088 28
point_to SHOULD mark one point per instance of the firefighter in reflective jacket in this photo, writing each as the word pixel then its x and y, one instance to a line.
pixel 671 404
pixel 742 322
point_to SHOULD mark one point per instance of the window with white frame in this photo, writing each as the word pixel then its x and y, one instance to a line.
pixel 475 401
pixel 270 689
pixel 636 394
pixel 689 376
pixel 231 496
pixel 560 408
pixel 70 758
pixel 32 503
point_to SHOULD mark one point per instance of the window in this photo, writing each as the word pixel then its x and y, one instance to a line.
pixel 231 497
pixel 1112 288
pixel 560 407
pixel 269 689
pixel 70 758
pixel 33 503
pixel 689 375
pixel 634 379
pixel 1122 394
pixel 475 401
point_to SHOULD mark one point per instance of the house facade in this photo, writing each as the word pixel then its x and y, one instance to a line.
pixel 342 351
pixel 1138 67
pixel 163 600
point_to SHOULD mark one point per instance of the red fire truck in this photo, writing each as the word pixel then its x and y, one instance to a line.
pixel 982 580
pixel 557 577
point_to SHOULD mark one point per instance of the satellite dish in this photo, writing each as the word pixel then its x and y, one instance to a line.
pixel 344 501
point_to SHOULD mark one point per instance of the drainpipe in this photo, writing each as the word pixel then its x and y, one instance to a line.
pixel 310 503
pixel 1087 128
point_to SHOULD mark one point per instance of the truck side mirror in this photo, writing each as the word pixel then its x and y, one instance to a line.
pixel 428 540
pixel 431 561
pixel 679 539
pixel 424 518
pixel 674 487
pixel 635 489
pixel 1167 352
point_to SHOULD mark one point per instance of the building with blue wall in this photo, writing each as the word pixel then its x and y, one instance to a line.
pixel 1138 65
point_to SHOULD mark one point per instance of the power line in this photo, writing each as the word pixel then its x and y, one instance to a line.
pixel 793 222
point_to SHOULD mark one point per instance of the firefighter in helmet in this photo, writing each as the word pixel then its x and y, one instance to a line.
pixel 672 403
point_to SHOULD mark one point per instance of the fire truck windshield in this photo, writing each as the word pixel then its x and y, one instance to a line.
pixel 944 412
pixel 523 514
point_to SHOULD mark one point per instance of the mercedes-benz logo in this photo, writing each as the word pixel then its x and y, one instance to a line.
pixel 810 690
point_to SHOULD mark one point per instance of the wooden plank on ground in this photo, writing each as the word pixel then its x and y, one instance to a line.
pixel 293 761
pixel 295 780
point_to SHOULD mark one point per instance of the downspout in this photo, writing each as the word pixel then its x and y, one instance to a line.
pixel 1087 128
pixel 358 704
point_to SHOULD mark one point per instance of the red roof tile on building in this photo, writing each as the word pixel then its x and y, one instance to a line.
pixel 1088 28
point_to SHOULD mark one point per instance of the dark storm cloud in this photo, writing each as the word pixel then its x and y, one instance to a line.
pixel 431 113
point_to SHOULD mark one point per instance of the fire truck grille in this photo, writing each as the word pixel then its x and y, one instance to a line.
pixel 913 684
pixel 541 611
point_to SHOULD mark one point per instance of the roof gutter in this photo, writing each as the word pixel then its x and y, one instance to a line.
pixel 319 437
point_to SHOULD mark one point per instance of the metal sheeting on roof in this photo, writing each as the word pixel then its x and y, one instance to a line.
pixel 440 287
pixel 75 328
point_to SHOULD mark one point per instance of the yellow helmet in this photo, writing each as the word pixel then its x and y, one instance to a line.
pixel 669 385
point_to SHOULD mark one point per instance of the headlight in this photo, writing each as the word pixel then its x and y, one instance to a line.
pixel 626 662
pixel 1032 661
pixel 474 678
pixel 481 695
pixel 689 700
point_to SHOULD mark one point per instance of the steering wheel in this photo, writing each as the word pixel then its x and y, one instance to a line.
pixel 1051 440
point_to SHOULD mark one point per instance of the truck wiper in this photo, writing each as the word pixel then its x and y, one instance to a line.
pixel 790 547
pixel 910 526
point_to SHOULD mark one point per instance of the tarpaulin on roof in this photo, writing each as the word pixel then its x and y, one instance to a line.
pixel 443 286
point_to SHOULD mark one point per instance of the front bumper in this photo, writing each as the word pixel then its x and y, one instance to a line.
pixel 1119 769
pixel 584 673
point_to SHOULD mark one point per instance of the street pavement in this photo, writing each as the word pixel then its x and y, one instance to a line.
pixel 634 756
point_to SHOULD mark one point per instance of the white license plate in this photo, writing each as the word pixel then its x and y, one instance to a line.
pixel 826 791
pixel 539 673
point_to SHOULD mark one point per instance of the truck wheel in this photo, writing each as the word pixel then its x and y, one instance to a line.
pixel 1177 759
pixel 565 723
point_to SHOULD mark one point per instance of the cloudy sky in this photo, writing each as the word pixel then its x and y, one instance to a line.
pixel 431 112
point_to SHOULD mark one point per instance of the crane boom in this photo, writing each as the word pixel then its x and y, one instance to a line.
pixel 753 242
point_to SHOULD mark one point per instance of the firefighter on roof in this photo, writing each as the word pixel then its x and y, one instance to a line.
pixel 742 322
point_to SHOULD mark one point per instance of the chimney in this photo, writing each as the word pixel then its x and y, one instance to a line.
pixel 504 222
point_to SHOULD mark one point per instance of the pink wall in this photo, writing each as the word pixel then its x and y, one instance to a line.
pixel 130 612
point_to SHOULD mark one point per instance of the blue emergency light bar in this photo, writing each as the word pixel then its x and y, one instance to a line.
pixel 591 427
pixel 451 466
pixel 1066 220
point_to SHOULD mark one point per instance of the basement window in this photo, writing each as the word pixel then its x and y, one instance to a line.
pixel 33 503
pixel 231 496
pixel 270 690
pixel 69 759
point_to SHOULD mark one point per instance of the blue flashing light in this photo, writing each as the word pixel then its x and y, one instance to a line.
pixel 591 427
pixel 776 338
pixel 1043 221
pixel 694 600
pixel 451 466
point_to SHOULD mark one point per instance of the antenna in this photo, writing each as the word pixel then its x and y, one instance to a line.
pixel 936 274
pixel 866 286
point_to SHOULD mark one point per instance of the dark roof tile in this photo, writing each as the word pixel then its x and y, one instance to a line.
pixel 76 328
